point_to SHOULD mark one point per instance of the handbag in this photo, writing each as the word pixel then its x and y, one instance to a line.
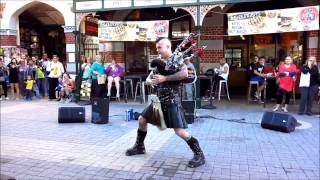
pixel 101 79
pixel 304 80
pixel 158 113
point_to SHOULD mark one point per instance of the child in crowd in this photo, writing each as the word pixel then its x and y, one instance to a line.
pixel 59 88
pixel 67 86
pixel 29 88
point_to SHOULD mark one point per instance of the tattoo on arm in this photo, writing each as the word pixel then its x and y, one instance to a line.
pixel 182 74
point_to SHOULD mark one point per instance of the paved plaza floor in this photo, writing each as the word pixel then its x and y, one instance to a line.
pixel 35 146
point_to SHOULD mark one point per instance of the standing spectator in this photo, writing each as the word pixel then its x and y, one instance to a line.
pixel 189 86
pixel 45 61
pixel 56 70
pixel 3 77
pixel 86 68
pixel 22 75
pixel 287 74
pixel 29 87
pixel 40 80
pixel 308 92
pixel 97 90
pixel 33 72
pixel 259 76
pixel 14 79
pixel 114 72
pixel 222 73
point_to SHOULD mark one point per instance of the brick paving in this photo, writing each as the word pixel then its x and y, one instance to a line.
pixel 35 146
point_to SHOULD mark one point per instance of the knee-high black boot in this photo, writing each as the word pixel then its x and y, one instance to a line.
pixel 198 157
pixel 138 147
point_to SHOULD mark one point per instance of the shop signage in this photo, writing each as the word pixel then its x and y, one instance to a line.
pixel 96 5
pixel 91 27
pixel 274 21
pixel 87 5
pixel 132 30
pixel 148 2
pixel 117 3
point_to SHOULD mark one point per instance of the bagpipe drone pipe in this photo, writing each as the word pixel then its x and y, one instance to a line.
pixel 178 59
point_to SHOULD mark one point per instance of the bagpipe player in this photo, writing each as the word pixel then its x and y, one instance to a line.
pixel 168 91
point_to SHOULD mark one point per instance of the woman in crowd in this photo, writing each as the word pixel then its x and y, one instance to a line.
pixel 287 78
pixel 114 72
pixel 98 71
pixel 14 79
pixel 86 68
pixel 22 75
pixel 308 92
pixel 3 77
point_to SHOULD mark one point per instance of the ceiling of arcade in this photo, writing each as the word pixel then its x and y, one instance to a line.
pixel 45 14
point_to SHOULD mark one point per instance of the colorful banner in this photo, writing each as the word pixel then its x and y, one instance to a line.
pixel 274 21
pixel 132 30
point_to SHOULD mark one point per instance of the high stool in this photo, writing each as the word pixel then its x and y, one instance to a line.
pixel 249 89
pixel 143 91
pixel 130 83
pixel 223 82
pixel 294 95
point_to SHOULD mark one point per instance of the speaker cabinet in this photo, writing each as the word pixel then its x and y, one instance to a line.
pixel 279 121
pixel 189 107
pixel 71 114
pixel 100 110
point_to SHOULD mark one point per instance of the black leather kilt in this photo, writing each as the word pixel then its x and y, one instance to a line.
pixel 172 110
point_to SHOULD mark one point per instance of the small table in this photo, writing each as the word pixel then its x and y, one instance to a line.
pixel 139 77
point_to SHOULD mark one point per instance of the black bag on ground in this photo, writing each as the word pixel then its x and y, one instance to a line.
pixel 279 121
pixel 71 115
pixel 100 110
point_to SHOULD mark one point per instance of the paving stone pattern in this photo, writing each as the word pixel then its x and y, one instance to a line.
pixel 34 146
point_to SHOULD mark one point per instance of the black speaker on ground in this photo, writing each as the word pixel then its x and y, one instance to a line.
pixel 279 121
pixel 100 110
pixel 71 115
pixel 188 106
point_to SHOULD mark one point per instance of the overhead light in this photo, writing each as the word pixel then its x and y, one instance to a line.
pixel 242 37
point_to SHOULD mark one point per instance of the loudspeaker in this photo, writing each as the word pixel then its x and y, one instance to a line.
pixel 188 107
pixel 71 114
pixel 279 121
pixel 100 110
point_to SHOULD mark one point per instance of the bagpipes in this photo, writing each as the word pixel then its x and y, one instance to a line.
pixel 177 60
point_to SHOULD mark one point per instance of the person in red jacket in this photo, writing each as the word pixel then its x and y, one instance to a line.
pixel 287 75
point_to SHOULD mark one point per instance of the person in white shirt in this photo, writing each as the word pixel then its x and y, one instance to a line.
pixel 55 69
pixel 221 73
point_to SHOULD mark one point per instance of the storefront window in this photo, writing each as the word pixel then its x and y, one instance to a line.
pixel 137 55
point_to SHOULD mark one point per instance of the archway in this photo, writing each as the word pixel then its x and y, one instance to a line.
pixel 40 30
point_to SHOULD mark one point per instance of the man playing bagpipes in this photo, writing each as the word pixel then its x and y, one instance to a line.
pixel 167 83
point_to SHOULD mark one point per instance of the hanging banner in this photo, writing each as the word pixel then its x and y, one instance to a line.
pixel 132 30
pixel 274 21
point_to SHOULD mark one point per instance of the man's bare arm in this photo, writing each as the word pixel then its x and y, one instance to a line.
pixel 180 75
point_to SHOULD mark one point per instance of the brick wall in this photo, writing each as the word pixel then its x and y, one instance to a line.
pixel 212 56
pixel 70 38
pixel 208 33
pixel 313 51
pixel 8 40
pixel 116 55
pixel 313 33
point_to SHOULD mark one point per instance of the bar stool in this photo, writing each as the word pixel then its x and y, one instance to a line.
pixel 138 85
pixel 130 81
pixel 249 89
pixel 294 95
pixel 223 82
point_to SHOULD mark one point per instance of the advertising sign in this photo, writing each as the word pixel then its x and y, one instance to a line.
pixel 274 21
pixel 132 30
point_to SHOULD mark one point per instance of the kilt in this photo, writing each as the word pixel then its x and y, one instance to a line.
pixel 173 115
